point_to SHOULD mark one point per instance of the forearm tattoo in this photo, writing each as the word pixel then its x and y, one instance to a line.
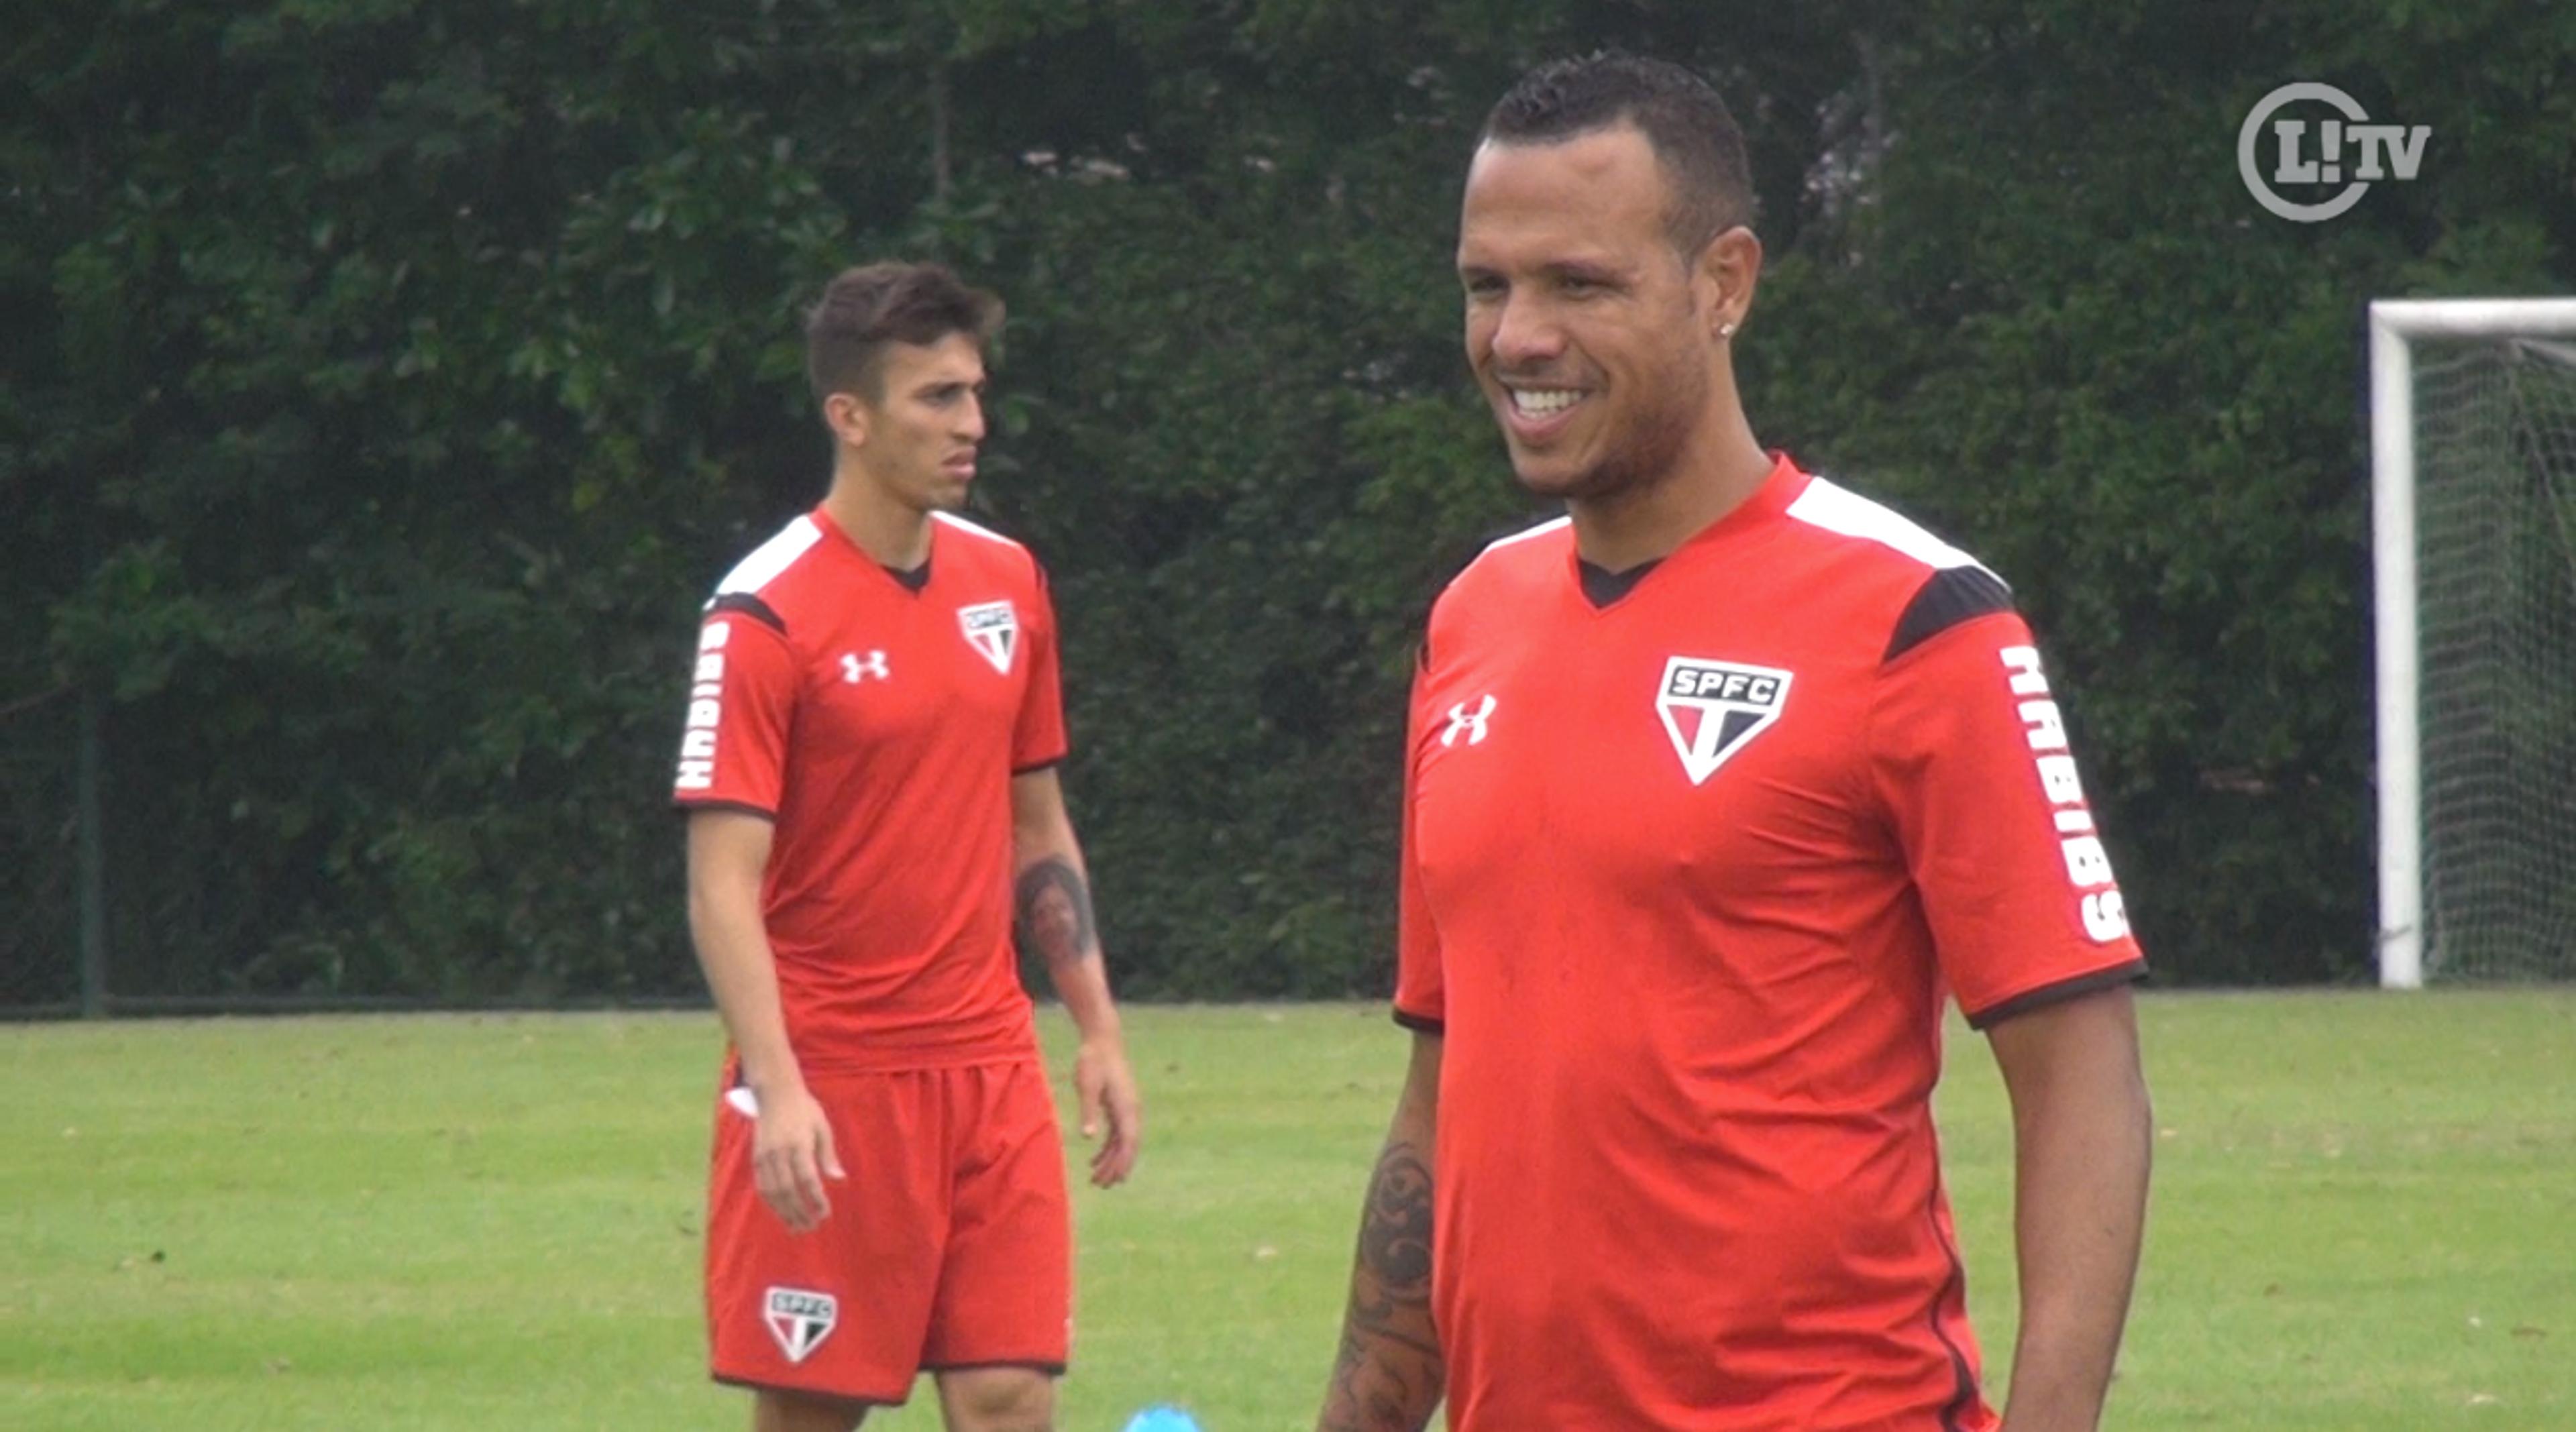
pixel 1389 1373
pixel 1053 909
pixel 1395 1233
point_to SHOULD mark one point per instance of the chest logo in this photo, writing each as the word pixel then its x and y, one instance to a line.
pixel 993 629
pixel 1468 723
pixel 1713 709
pixel 856 668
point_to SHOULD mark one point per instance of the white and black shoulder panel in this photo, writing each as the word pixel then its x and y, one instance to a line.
pixel 1956 589
pixel 741 590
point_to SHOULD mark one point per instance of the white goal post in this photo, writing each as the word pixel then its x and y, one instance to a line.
pixel 2397 327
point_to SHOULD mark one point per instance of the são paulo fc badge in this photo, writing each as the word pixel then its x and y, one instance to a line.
pixel 800 1320
pixel 1712 709
pixel 992 628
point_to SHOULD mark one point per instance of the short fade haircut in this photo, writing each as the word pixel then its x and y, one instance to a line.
pixel 1693 136
pixel 867 308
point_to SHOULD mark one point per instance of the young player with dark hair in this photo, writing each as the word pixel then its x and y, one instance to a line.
pixel 869 771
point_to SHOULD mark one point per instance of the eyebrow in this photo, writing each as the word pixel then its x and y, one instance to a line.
pixel 1558 269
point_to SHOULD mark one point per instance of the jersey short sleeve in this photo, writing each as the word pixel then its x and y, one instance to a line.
pixel 1038 738
pixel 742 701
pixel 1970 758
pixel 1420 996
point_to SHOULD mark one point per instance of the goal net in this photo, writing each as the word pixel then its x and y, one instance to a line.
pixel 2474 416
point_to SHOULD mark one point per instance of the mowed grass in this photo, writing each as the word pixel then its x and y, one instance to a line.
pixel 2365 1217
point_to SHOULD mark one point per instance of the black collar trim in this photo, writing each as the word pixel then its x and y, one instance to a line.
pixel 914 580
pixel 1601 586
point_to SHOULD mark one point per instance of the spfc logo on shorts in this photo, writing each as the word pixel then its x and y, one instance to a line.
pixel 800 1320
pixel 1713 709
pixel 992 628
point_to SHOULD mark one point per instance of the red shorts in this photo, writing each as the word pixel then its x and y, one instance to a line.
pixel 949 1245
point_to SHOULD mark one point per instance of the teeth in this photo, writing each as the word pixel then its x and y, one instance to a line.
pixel 1541 402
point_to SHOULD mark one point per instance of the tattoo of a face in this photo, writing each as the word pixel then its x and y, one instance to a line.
pixel 1053 907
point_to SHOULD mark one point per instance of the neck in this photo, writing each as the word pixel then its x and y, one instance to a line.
pixel 1708 479
pixel 895 534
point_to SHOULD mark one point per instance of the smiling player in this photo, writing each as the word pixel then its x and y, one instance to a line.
pixel 1718 789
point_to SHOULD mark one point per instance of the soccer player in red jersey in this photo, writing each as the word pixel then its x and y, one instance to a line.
pixel 1718 789
pixel 869 771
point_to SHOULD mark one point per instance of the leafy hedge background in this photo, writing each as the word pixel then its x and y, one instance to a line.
pixel 387 382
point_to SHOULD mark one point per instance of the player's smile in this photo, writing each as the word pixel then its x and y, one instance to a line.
pixel 1534 412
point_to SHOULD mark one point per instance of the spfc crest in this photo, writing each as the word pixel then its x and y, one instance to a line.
pixel 800 1320
pixel 1712 709
pixel 992 628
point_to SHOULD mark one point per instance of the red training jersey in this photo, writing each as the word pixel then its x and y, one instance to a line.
pixel 878 720
pixel 1690 870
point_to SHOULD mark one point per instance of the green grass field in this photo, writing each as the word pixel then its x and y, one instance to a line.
pixel 2365 1217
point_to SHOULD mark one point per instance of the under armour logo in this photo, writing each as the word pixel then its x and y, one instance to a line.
pixel 1470 724
pixel 853 670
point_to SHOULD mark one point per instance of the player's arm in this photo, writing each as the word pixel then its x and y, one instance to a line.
pixel 792 1152
pixel 1389 1375
pixel 1051 904
pixel 1979 782
pixel 2082 1132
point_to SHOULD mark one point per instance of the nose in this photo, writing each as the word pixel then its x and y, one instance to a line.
pixel 1525 333
pixel 970 427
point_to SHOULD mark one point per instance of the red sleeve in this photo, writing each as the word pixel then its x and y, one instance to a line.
pixel 1970 757
pixel 1420 995
pixel 1039 740
pixel 742 701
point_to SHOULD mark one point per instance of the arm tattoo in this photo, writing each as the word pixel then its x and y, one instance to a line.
pixel 1053 909
pixel 1395 1235
pixel 1389 1374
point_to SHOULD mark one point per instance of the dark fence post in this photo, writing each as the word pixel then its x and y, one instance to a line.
pixel 93 862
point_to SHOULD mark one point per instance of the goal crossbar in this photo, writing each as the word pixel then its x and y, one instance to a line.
pixel 2395 324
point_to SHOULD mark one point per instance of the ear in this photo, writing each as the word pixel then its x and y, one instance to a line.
pixel 847 415
pixel 1723 279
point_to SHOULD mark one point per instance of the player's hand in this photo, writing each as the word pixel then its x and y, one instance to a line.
pixel 791 1155
pixel 1107 1091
